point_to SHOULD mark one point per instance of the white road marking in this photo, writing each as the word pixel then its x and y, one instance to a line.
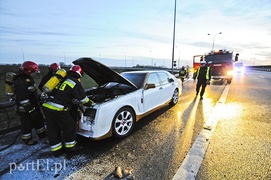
pixel 192 162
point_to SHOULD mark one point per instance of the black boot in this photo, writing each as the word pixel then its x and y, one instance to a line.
pixel 57 153
pixel 42 134
pixel 30 142
pixel 74 148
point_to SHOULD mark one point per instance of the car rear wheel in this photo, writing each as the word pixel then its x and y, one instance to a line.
pixel 175 97
pixel 123 122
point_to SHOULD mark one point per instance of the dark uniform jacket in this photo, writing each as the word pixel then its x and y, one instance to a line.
pixel 25 89
pixel 203 74
pixel 182 72
pixel 66 92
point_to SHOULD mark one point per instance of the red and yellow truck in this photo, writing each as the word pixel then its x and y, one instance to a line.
pixel 220 61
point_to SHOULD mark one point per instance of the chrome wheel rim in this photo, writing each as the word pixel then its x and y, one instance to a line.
pixel 123 122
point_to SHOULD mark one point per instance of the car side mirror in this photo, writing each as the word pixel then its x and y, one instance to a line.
pixel 170 80
pixel 149 86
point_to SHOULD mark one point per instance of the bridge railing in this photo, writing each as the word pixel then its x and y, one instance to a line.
pixel 260 68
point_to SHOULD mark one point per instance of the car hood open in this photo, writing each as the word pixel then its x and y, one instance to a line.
pixel 101 73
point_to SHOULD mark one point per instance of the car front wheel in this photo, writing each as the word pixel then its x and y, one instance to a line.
pixel 123 122
pixel 175 97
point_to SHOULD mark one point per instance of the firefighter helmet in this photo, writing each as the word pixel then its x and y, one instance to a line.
pixel 54 67
pixel 29 67
pixel 77 69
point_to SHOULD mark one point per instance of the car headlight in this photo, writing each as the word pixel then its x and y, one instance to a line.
pixel 89 115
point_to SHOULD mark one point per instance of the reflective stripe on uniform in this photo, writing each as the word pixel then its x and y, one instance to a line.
pixel 207 74
pixel 56 147
pixel 85 100
pixel 54 106
pixel 70 144
pixel 70 83
pixel 40 130
pixel 24 101
pixel 32 110
pixel 27 136
pixel 198 72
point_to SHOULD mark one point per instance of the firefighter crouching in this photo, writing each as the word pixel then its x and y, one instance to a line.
pixel 58 115
pixel 27 103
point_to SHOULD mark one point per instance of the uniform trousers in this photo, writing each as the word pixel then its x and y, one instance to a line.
pixel 202 84
pixel 61 126
pixel 32 120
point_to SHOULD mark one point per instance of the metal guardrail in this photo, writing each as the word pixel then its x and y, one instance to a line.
pixel 260 68
pixel 5 121
pixel 6 105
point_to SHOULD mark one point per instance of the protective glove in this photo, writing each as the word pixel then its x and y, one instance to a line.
pixel 208 82
pixel 75 101
pixel 43 97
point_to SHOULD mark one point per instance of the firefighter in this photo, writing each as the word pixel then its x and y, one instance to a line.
pixel 58 115
pixel 203 76
pixel 187 71
pixel 27 103
pixel 53 68
pixel 182 74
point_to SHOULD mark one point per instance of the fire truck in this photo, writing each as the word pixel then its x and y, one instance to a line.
pixel 220 61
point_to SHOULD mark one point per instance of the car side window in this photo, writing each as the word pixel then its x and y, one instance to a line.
pixel 163 78
pixel 153 79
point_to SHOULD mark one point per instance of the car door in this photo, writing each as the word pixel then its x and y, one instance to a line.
pixel 152 97
pixel 167 86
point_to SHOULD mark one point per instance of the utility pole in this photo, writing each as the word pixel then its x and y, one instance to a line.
pixel 23 54
pixel 173 44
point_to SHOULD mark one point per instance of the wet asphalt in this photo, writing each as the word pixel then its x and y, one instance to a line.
pixel 237 147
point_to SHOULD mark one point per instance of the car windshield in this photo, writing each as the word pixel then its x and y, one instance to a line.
pixel 136 78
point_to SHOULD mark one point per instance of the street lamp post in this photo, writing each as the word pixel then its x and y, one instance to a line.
pixel 23 54
pixel 64 55
pixel 125 59
pixel 173 43
pixel 214 39
pixel 151 58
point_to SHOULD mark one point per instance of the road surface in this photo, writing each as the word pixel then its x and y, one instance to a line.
pixel 238 145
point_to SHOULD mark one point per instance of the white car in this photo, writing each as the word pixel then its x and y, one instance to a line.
pixel 239 67
pixel 122 99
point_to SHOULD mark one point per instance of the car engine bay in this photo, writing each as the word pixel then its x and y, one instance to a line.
pixel 103 94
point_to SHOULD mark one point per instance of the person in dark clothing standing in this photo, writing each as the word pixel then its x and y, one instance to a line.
pixel 27 103
pixel 182 74
pixel 203 76
pixel 53 68
pixel 58 113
